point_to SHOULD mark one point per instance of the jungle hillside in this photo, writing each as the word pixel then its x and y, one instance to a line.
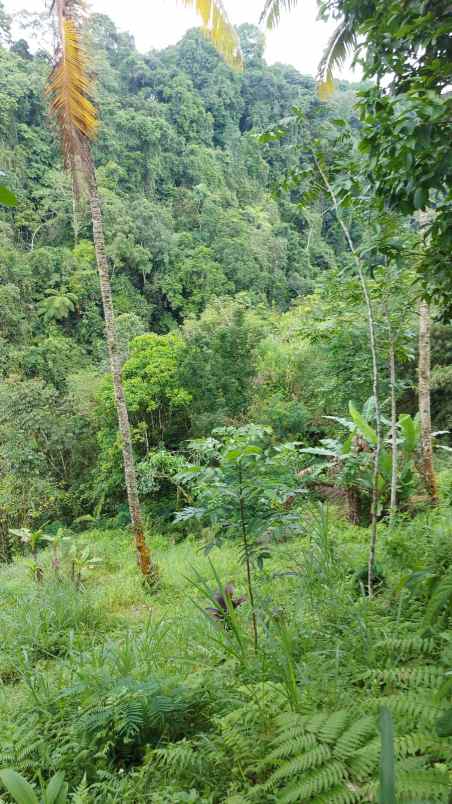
pixel 225 411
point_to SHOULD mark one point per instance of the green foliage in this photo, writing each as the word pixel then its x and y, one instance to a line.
pixel 57 305
pixel 7 198
pixel 242 332
pixel 240 481
pixel 56 791
pixel 404 113
pixel 387 759
pixel 242 492
pixel 152 708
pixel 335 757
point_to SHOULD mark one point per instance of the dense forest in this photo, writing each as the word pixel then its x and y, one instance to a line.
pixel 279 353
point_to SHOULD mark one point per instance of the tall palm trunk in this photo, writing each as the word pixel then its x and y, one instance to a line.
pixel 70 87
pixel 143 555
pixel 428 472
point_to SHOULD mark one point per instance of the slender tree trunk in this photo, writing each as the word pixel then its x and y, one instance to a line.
pixel 394 444
pixel 147 568
pixel 373 350
pixel 247 559
pixel 427 469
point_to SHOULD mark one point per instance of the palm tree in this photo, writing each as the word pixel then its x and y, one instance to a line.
pixel 343 42
pixel 70 88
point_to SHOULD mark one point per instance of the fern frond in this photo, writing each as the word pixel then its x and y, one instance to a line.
pixel 407 647
pixel 290 746
pixel 365 761
pixel 429 783
pixel 413 744
pixel 418 676
pixel 355 737
pixel 294 767
pixel 290 727
pixel 219 29
pixel 313 783
pixel 441 598
pixel 180 757
pixel 334 726
pixel 81 793
pixel 420 708
pixel 341 794
pixel 317 721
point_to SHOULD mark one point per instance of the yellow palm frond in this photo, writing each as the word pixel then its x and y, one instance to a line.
pixel 69 88
pixel 219 29
pixel 342 43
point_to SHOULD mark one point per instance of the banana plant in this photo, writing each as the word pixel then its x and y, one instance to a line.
pixel 81 559
pixel 22 792
pixel 350 459
pixel 29 538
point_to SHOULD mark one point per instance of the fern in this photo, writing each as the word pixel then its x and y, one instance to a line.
pixel 427 783
pixel 406 647
pixel 81 793
pixel 21 751
pixel 310 758
pixel 440 602
pixel 420 708
pixel 335 758
pixel 355 737
pixel 426 676
pixel 183 758
pixel 318 781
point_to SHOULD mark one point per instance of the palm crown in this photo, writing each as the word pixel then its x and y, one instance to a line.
pixel 342 42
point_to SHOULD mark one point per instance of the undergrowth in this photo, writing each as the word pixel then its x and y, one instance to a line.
pixel 140 698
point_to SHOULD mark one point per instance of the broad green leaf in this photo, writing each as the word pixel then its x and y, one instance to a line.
pixel 344 422
pixel 347 445
pixel 272 135
pixel 420 198
pixel 387 758
pixel 324 453
pixel 367 431
pixel 21 791
pixel 7 198
pixel 240 452
pixel 56 790
pixel 444 724
pixel 386 464
pixel 410 432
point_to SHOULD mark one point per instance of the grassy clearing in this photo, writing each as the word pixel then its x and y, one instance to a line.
pixel 149 701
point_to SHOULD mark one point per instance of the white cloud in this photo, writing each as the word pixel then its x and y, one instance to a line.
pixel 299 40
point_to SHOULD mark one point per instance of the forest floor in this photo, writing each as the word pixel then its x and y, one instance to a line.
pixel 76 663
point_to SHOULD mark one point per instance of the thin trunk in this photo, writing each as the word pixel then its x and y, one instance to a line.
pixel 148 570
pixel 394 444
pixel 428 472
pixel 247 560
pixel 373 349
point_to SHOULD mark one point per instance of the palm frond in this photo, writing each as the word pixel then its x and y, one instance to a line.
pixel 341 44
pixel 219 29
pixel 69 88
pixel 271 13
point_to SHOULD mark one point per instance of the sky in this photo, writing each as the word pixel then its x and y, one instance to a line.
pixel 299 39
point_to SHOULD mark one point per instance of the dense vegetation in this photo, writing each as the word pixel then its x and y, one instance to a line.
pixel 266 279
